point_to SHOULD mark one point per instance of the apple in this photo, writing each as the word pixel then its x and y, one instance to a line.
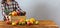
pixel 23 23
pixel 7 22
pixel 28 23
pixel 20 23
pixel 22 20
pixel 18 13
pixel 16 21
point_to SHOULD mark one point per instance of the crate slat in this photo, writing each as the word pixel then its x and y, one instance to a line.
pixel 14 18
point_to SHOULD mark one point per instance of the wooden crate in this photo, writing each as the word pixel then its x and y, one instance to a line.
pixel 14 18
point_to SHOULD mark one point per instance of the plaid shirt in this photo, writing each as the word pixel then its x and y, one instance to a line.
pixel 11 7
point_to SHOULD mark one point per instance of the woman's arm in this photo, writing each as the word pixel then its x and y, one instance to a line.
pixel 23 13
pixel 3 13
pixel 17 6
pixel 3 8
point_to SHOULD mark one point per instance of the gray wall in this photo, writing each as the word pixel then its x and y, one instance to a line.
pixel 41 9
pixel 1 17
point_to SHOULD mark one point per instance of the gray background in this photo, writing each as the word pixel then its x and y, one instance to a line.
pixel 40 9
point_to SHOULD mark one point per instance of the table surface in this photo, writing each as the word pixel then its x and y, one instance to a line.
pixel 43 23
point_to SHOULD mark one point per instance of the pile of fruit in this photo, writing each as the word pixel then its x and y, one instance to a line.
pixel 14 13
pixel 17 13
pixel 30 21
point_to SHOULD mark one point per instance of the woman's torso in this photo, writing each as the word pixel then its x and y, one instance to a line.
pixel 11 6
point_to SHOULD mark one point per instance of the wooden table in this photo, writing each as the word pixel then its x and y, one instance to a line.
pixel 42 24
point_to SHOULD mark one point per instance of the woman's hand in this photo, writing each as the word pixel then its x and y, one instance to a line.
pixel 23 13
pixel 7 18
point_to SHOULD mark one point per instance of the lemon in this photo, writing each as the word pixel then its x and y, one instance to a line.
pixel 37 22
pixel 13 24
pixel 32 19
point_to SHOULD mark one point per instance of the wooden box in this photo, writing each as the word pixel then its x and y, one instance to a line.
pixel 14 18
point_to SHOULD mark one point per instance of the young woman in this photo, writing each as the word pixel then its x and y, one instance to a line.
pixel 10 5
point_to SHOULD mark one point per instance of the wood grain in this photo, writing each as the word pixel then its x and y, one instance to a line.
pixel 42 24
